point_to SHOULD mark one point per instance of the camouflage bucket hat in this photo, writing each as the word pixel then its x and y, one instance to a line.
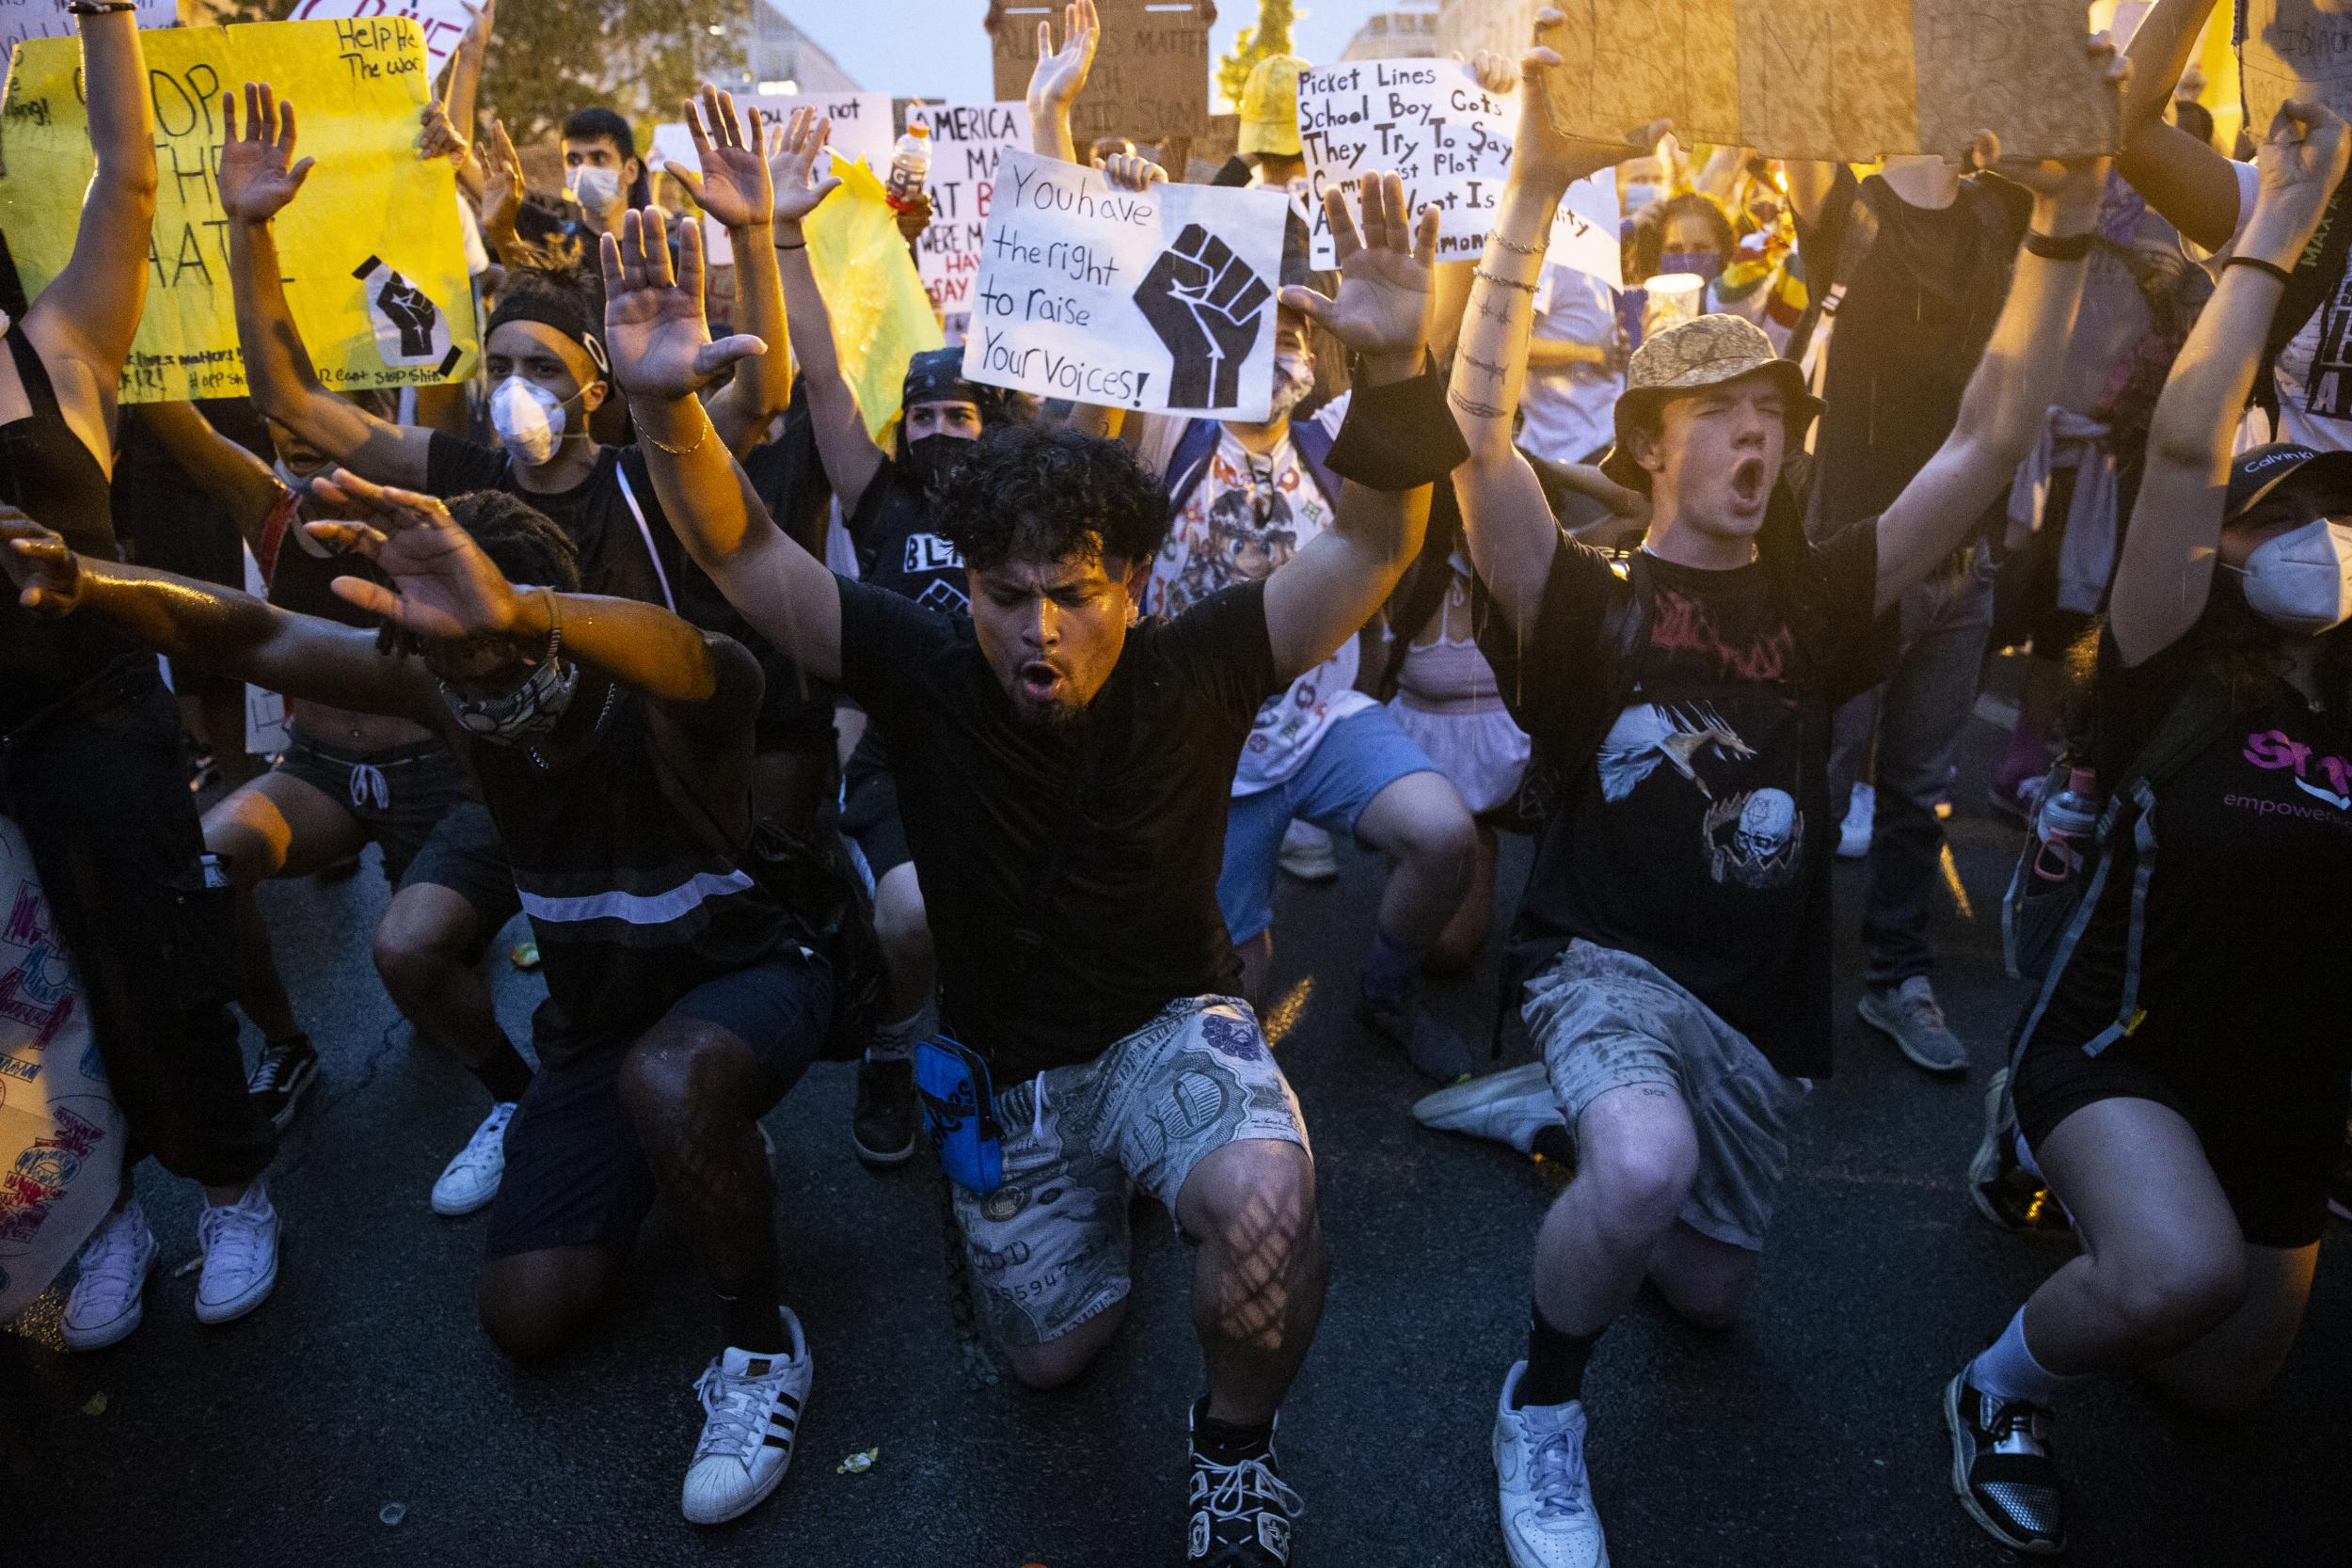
pixel 1706 351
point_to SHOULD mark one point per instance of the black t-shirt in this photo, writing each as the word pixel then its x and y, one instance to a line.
pixel 897 547
pixel 2242 966
pixel 1699 837
pixel 1923 287
pixel 1131 921
pixel 614 558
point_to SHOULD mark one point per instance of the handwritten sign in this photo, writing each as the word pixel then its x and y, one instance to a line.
pixel 2293 48
pixel 1162 300
pixel 1151 75
pixel 443 23
pixel 1846 79
pixel 21 19
pixel 374 257
pixel 1584 232
pixel 1429 122
pixel 966 141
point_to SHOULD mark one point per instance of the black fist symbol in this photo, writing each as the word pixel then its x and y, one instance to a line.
pixel 1204 302
pixel 406 308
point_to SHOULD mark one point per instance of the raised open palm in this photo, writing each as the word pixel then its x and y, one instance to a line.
pixel 654 325
pixel 259 175
pixel 799 188
pixel 1060 75
pixel 1384 271
pixel 443 586
pixel 734 185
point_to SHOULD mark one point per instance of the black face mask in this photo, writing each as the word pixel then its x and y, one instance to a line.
pixel 932 459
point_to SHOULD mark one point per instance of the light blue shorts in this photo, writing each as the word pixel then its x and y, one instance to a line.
pixel 1357 758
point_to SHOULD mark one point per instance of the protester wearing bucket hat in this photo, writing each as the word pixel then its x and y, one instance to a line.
pixel 1269 120
pixel 1671 958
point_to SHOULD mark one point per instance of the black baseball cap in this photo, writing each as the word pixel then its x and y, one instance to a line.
pixel 2261 472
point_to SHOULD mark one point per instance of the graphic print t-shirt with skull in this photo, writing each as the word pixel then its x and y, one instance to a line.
pixel 1698 836
pixel 1248 514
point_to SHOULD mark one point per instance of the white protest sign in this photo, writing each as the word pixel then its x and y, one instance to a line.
pixel 1427 120
pixel 442 22
pixel 1584 232
pixel 966 141
pixel 860 128
pixel 49 19
pixel 1161 301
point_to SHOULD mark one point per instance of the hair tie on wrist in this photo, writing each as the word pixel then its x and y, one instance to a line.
pixel 2073 248
pixel 2273 268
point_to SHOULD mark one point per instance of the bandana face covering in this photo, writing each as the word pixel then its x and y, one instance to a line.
pixel 1294 378
pixel 933 458
pixel 2302 579
pixel 529 420
pixel 525 714
pixel 1705 263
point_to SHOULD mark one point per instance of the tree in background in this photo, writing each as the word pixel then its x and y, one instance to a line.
pixel 1271 35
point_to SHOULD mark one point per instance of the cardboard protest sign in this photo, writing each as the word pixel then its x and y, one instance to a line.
pixel 21 19
pixel 374 257
pixel 1162 300
pixel 60 1136
pixel 881 315
pixel 443 23
pixel 2293 48
pixel 1505 27
pixel 966 141
pixel 1843 79
pixel 1585 230
pixel 1429 122
pixel 860 130
pixel 1151 74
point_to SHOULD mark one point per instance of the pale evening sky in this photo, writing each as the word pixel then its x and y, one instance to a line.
pixel 936 48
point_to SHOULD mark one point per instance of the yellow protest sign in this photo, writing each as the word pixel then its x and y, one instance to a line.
pixel 374 266
pixel 881 313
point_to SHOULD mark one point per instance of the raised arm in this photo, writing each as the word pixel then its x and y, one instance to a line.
pixel 84 322
pixel 2008 398
pixel 1509 528
pixel 735 189
pixel 2187 182
pixel 851 460
pixel 661 353
pixel 1058 77
pixel 217 628
pixel 259 178
pixel 1322 596
pixel 2166 569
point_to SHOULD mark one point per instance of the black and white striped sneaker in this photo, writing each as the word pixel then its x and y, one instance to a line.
pixel 2001 1467
pixel 284 1074
pixel 752 1404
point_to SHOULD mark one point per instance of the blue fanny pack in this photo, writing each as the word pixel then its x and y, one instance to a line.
pixel 960 1114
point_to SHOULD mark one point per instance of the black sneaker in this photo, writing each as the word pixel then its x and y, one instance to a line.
pixel 883 1128
pixel 2005 1191
pixel 1434 1049
pixel 284 1074
pixel 1241 1513
pixel 2001 1467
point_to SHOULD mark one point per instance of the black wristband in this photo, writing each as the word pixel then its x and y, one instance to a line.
pixel 2273 268
pixel 2073 247
pixel 99 8
pixel 1398 436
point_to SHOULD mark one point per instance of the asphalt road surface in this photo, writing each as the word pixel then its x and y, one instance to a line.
pixel 1809 1435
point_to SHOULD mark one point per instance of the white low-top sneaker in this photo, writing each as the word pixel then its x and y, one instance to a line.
pixel 1510 1107
pixel 472 1179
pixel 238 1241
pixel 1548 1516
pixel 753 1404
pixel 109 1298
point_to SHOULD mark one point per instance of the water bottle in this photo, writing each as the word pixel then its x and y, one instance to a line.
pixel 909 166
pixel 2068 821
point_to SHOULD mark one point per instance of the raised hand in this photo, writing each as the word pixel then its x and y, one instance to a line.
pixel 800 190
pixel 1541 155
pixel 2299 164
pixel 1205 304
pixel 258 172
pixel 1060 75
pixel 1498 75
pixel 1130 171
pixel 654 325
pixel 47 574
pixel 501 179
pixel 443 586
pixel 439 136
pixel 1384 274
pixel 734 186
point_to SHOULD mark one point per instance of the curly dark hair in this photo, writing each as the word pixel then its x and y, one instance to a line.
pixel 520 540
pixel 1649 229
pixel 1049 493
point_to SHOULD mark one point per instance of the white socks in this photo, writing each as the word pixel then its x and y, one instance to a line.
pixel 2008 1371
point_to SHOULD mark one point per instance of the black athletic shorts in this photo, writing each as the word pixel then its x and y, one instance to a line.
pixel 575 1176
pixel 2273 1139
pixel 465 854
pixel 870 818
pixel 399 794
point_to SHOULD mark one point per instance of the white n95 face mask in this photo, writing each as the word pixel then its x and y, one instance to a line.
pixel 529 420
pixel 596 190
pixel 2302 579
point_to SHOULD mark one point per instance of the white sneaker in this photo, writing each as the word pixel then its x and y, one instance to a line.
pixel 1307 853
pixel 1510 1107
pixel 238 1241
pixel 1548 1516
pixel 753 1403
pixel 1854 835
pixel 472 1179
pixel 109 1298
